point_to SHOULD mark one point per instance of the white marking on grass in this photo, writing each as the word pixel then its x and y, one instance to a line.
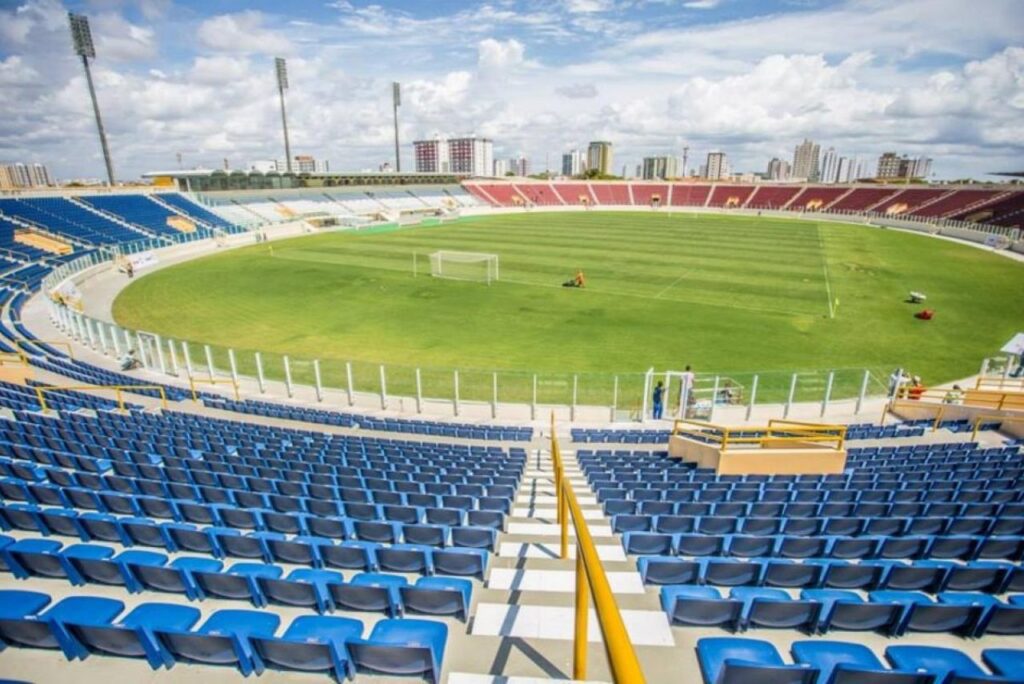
pixel 670 286
pixel 824 268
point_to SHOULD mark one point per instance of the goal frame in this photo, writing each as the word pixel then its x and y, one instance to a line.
pixel 488 260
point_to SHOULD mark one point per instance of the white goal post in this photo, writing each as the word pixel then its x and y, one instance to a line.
pixel 477 267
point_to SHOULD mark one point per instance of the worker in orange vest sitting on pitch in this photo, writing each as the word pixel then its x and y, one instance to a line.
pixel 577 280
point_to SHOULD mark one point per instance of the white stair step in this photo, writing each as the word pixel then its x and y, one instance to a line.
pixel 552 513
pixel 555 530
pixel 563 581
pixel 606 552
pixel 645 627
pixel 466 678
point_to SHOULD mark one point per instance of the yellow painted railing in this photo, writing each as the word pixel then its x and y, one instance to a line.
pixel 118 391
pixel 778 431
pixel 591 581
pixel 16 357
pixel 979 420
pixel 995 400
pixel 68 349
pixel 192 382
pixel 998 382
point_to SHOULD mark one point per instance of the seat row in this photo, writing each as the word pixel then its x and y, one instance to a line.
pixel 258 583
pixel 799 509
pixel 165 633
pixel 993 577
pixel 999 491
pixel 818 611
pixel 936 547
pixel 853 526
pixel 311 550
pixel 732 660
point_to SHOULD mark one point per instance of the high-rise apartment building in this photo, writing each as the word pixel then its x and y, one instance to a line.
pixel 659 168
pixel 778 169
pixel 432 156
pixel 805 160
pixel 19 175
pixel 829 169
pixel 892 166
pixel 599 156
pixel 717 166
pixel 519 166
pixel 574 163
pixel 470 155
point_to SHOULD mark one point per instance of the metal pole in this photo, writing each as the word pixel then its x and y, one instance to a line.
pixel 234 366
pixel 494 395
pixel 127 339
pixel 615 398
pixel 396 100
pixel 714 400
pixel 575 392
pixel 647 391
pixel 383 388
pixel 143 355
pixel 259 373
pixel 579 650
pixel 533 403
pixel 753 396
pixel 284 116
pixel 188 358
pixel 99 122
pixel 287 376
pixel 174 357
pixel 419 392
pixel 160 354
pixel 863 390
pixel 828 392
pixel 89 332
pixel 209 360
pixel 117 343
pixel 789 400
pixel 984 368
pixel 316 376
pixel 103 338
pixel 348 377
pixel 455 377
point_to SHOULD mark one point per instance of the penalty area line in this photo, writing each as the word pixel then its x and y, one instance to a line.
pixel 670 286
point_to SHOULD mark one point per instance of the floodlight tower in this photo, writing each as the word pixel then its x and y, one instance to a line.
pixel 282 85
pixel 396 102
pixel 81 38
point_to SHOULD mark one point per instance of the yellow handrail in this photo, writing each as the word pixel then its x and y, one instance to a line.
pixel 53 343
pixel 117 389
pixel 591 580
pixel 18 357
pixel 992 418
pixel 999 382
pixel 192 382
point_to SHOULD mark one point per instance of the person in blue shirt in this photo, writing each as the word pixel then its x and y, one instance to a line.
pixel 659 394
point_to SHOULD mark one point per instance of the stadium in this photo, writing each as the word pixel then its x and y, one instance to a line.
pixel 445 426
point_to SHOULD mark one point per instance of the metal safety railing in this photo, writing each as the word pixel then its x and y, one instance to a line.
pixel 118 391
pixel 778 431
pixel 213 382
pixel 996 400
pixel 591 582
pixel 16 357
pixel 999 382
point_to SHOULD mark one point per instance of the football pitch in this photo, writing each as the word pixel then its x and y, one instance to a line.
pixel 728 294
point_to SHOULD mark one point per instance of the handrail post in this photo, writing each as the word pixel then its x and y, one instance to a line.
pixel 564 509
pixel 579 651
pixel 863 391
pixel 419 391
pixel 789 400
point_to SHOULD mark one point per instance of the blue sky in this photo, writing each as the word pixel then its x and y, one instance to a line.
pixel 749 77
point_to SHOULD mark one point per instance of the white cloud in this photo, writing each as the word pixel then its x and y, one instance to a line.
pixel 118 39
pixel 577 91
pixel 702 4
pixel 242 32
pixel 588 6
pixel 497 55
pixel 13 71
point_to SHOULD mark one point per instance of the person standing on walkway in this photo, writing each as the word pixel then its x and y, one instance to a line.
pixel 658 400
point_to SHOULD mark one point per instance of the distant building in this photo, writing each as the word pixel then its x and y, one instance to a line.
pixel 843 169
pixel 19 175
pixel 519 166
pixel 302 163
pixel 892 166
pixel 431 156
pixel 778 169
pixel 574 163
pixel 599 156
pixel 805 160
pixel 500 167
pixel 829 170
pixel 717 166
pixel 659 168
pixel 471 155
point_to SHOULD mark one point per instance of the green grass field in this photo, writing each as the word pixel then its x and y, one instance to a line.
pixel 727 294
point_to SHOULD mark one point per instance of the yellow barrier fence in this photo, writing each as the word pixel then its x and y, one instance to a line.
pixel 777 432
pixel 18 358
pixel 591 581
pixel 192 382
pixel 118 391
pixel 998 382
pixel 940 399
pixel 68 349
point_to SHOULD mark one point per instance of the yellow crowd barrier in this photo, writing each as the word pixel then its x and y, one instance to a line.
pixel 192 382
pixel 591 581
pixel 980 420
pixel 16 357
pixel 68 349
pixel 777 432
pixel 998 382
pixel 940 400
pixel 118 391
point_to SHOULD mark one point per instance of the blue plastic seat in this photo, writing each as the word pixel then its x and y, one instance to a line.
pixel 730 660
pixel 765 607
pixel 787 573
pixel 222 640
pixel 730 572
pixel 132 636
pixel 460 561
pixel 921 614
pixel 236 583
pixel 438 596
pixel 947 665
pixel 845 663
pixel 1007 662
pixel 351 555
pixel 407 558
pixel 997 617
pixel 846 610
pixel 648 543
pixel 312 643
pixel 304 587
pixel 668 570
pixel 475 536
pixel 402 647
pixel 176 577
pixel 46 629
pixel 700 606
pixel 371 592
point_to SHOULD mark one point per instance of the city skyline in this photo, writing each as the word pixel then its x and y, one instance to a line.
pixel 933 78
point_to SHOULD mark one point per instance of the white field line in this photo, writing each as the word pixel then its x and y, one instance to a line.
pixel 670 286
pixel 824 268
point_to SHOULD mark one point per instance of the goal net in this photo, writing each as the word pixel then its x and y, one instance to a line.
pixel 473 266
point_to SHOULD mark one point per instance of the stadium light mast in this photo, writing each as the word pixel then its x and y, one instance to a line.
pixel 81 38
pixel 282 85
pixel 396 102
